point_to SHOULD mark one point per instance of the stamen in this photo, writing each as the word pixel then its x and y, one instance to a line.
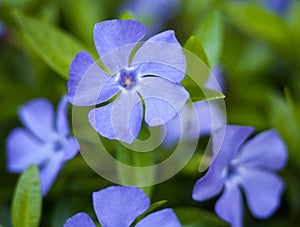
pixel 127 78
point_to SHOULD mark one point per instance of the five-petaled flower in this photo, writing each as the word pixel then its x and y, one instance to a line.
pixel 44 141
pixel 244 165
pixel 152 77
pixel 120 206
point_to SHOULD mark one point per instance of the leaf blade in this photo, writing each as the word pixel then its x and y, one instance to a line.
pixel 56 47
pixel 27 200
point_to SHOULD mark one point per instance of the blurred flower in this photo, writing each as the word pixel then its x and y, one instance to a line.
pixel 120 206
pixel 199 118
pixel 2 27
pixel 244 165
pixel 278 6
pixel 154 73
pixel 2 30
pixel 153 13
pixel 44 141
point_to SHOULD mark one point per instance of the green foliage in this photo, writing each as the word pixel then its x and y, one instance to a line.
pixel 136 176
pixel 194 44
pixel 83 15
pixel 284 118
pixel 23 4
pixel 194 217
pixel 197 71
pixel 27 201
pixel 210 33
pixel 55 47
pixel 259 23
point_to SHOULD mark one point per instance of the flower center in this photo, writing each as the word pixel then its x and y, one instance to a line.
pixel 58 143
pixel 127 78
pixel 231 170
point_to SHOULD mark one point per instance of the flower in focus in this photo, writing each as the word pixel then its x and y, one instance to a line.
pixel 45 140
pixel 199 118
pixel 153 13
pixel 120 206
pixel 244 165
pixel 153 75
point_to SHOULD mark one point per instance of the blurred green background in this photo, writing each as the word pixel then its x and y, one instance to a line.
pixel 257 49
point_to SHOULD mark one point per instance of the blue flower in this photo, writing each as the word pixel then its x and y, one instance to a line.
pixel 120 206
pixel 152 76
pixel 244 165
pixel 153 13
pixel 44 141
pixel 278 6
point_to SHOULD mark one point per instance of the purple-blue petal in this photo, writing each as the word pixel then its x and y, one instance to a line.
pixel 88 84
pixel 70 149
pixel 80 220
pixel 266 149
pixel 206 117
pixel 23 149
pixel 231 141
pixel 153 57
pixel 215 80
pixel 120 119
pixel 278 6
pixel 79 66
pixel 210 185
pixel 49 171
pixel 114 40
pixel 119 205
pixel 62 123
pixel 162 218
pixel 229 205
pixel 184 126
pixel 210 116
pixel 163 99
pixel 263 191
pixel 38 117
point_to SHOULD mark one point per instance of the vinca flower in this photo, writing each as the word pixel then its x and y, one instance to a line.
pixel 247 166
pixel 45 141
pixel 152 76
pixel 120 206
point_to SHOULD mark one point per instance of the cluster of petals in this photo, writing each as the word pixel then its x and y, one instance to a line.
pixel 121 206
pixel 45 140
pixel 151 77
pixel 244 165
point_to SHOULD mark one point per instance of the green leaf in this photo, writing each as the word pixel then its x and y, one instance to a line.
pixel 210 33
pixel 83 15
pixel 23 4
pixel 259 23
pixel 133 172
pixel 194 45
pixel 154 206
pixel 292 105
pixel 197 72
pixel 27 201
pixel 194 217
pixel 55 47
pixel 282 118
